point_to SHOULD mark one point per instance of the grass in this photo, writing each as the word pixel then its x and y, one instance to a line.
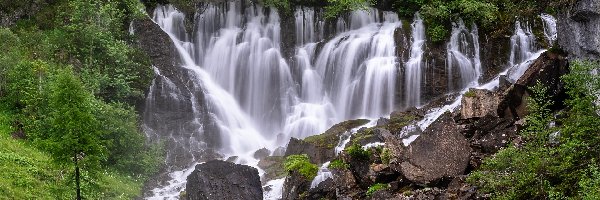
pixel 28 173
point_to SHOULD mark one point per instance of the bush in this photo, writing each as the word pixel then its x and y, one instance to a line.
pixel 338 164
pixel 557 162
pixel 357 152
pixel 301 164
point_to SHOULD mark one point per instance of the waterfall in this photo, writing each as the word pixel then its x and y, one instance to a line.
pixel 414 66
pixel 242 95
pixel 549 28
pixel 523 49
pixel 463 54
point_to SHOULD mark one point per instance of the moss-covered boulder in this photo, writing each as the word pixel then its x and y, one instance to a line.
pixel 321 148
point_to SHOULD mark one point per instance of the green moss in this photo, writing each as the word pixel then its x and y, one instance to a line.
pixel 330 138
pixel 397 123
pixel 302 165
pixel 376 187
pixel 338 164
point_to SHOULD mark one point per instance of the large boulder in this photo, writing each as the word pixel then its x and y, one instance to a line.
pixel 321 148
pixel 223 180
pixel 295 186
pixel 579 29
pixel 440 152
pixel 477 103
pixel 546 70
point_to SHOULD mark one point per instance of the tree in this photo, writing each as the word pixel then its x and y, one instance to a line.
pixel 73 137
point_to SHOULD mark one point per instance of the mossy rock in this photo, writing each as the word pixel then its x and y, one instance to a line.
pixel 273 167
pixel 329 139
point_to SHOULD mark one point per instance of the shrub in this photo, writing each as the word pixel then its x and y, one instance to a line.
pixel 357 152
pixel 301 164
pixel 338 164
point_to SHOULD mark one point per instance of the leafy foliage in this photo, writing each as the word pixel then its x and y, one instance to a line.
pixel 338 164
pixel 301 164
pixel 71 76
pixel 356 151
pixel 554 162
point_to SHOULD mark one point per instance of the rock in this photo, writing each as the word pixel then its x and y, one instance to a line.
pixel 321 148
pixel 232 159
pixel 280 151
pixel 579 30
pixel 346 185
pixel 273 167
pixel 325 190
pixel 223 180
pixel 382 121
pixel 478 103
pixel 168 112
pixel 547 70
pixel 316 154
pixel 459 189
pixel 382 173
pixel 295 186
pixel 262 153
pixel 441 151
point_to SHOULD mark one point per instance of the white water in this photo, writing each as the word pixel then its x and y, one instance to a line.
pixel 523 48
pixel 322 175
pixel 255 100
pixel 549 28
pixel 276 189
pixel 234 59
pixel 414 66
pixel 522 53
pixel 463 54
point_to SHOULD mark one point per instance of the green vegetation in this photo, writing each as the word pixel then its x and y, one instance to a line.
pixel 357 152
pixel 70 77
pixel 470 93
pixel 338 164
pixel 329 139
pixel 301 164
pixel 386 155
pixel 553 162
pixel 376 187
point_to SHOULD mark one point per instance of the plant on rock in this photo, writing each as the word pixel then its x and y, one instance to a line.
pixel 301 164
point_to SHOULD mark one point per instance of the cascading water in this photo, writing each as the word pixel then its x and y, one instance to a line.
pixel 523 49
pixel 463 54
pixel 414 66
pixel 242 91
pixel 549 28
pixel 239 80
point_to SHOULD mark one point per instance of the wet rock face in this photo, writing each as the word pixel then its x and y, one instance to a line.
pixel 441 151
pixel 168 111
pixel 546 70
pixel 223 180
pixel 579 30
pixel 295 186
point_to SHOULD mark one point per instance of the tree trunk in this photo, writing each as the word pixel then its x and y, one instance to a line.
pixel 77 179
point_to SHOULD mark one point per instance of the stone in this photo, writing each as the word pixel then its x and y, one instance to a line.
pixel 273 167
pixel 262 153
pixel 321 148
pixel 579 30
pixel 316 154
pixel 546 70
pixel 223 180
pixel 295 186
pixel 441 151
pixel 477 103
